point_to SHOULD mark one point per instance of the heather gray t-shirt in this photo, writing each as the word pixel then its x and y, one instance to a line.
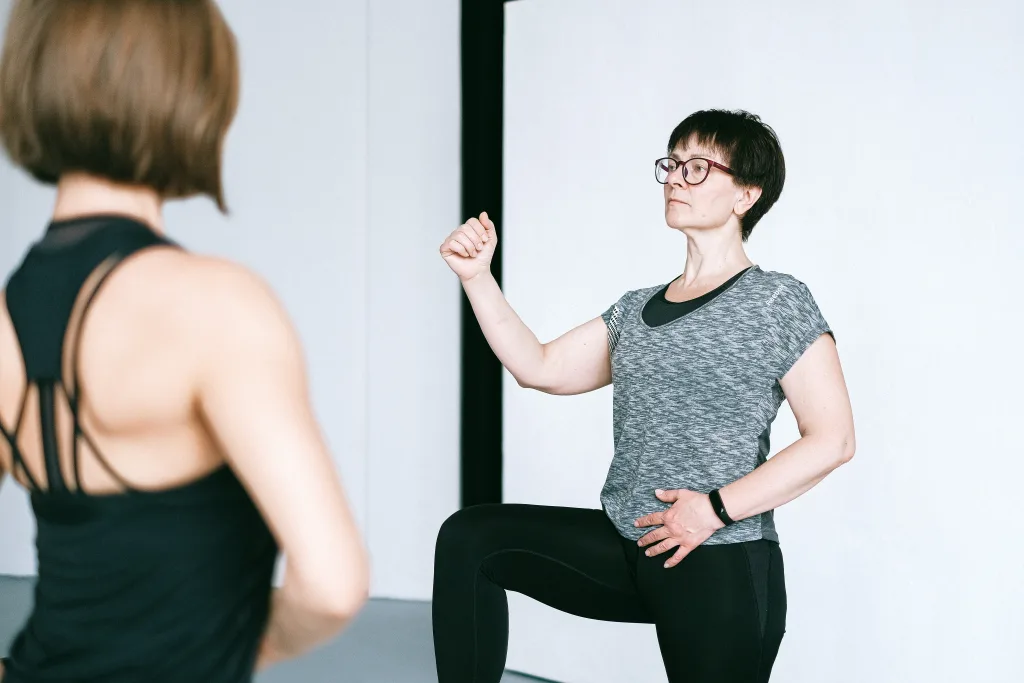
pixel 694 399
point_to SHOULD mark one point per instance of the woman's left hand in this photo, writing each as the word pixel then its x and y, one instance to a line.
pixel 689 522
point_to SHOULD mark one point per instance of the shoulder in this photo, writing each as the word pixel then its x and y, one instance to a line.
pixel 794 317
pixel 638 297
pixel 775 281
pixel 626 305
pixel 222 281
pixel 777 287
pixel 200 281
pixel 228 297
pixel 199 295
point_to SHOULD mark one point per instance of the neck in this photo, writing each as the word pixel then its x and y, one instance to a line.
pixel 714 255
pixel 80 195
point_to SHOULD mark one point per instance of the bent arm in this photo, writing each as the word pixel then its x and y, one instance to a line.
pixel 253 393
pixel 817 394
pixel 575 363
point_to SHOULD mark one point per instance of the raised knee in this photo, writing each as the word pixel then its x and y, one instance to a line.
pixel 465 532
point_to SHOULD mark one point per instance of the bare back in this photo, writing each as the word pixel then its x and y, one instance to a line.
pixel 136 356
pixel 158 406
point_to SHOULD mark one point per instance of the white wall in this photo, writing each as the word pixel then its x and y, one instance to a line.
pixel 901 212
pixel 413 319
pixel 332 99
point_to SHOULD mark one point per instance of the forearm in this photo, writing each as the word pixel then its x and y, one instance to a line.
pixel 297 625
pixel 786 476
pixel 513 343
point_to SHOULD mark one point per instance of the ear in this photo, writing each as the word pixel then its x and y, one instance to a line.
pixel 746 198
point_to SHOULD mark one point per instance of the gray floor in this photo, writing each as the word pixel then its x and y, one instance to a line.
pixel 389 643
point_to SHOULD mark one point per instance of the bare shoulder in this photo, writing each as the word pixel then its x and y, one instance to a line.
pixel 228 291
pixel 237 323
pixel 238 312
pixel 205 280
pixel 192 307
pixel 201 292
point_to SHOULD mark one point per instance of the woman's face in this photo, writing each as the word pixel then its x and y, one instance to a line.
pixel 707 198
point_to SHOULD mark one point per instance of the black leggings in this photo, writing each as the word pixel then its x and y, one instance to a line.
pixel 720 613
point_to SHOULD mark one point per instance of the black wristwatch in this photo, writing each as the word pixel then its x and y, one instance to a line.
pixel 716 503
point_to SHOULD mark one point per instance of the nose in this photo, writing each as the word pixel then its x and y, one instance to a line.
pixel 676 176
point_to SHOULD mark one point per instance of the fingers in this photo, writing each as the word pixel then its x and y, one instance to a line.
pixel 487 223
pixel 669 496
pixel 453 246
pixel 653 519
pixel 467 241
pixel 653 537
pixel 470 238
pixel 678 557
pixel 475 229
pixel 461 243
pixel 662 547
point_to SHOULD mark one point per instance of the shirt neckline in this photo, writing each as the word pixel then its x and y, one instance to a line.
pixel 640 309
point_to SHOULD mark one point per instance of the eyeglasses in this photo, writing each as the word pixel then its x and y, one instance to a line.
pixel 695 171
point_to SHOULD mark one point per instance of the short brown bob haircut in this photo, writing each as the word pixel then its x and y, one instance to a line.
pixel 139 92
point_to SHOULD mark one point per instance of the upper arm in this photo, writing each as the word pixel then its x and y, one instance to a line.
pixel 579 361
pixel 253 394
pixel 802 354
pixel 816 391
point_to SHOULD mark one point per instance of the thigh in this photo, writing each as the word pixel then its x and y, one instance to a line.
pixel 568 558
pixel 774 613
pixel 720 613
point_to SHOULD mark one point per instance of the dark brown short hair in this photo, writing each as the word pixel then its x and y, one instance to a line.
pixel 748 146
pixel 139 92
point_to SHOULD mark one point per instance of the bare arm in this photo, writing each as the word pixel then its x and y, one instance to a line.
pixel 253 393
pixel 817 394
pixel 574 363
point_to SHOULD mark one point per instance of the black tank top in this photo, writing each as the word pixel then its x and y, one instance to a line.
pixel 660 311
pixel 135 586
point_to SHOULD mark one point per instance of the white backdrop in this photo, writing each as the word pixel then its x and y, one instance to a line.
pixel 331 95
pixel 900 125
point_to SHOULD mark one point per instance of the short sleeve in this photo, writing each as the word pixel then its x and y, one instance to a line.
pixel 794 323
pixel 613 319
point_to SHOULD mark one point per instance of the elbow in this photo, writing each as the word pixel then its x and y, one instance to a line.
pixel 346 596
pixel 833 448
pixel 524 383
pixel 533 380
pixel 537 377
pixel 542 387
pixel 337 596
pixel 536 385
pixel 845 449
pixel 343 607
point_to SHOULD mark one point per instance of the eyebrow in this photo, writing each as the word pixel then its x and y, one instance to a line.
pixel 702 153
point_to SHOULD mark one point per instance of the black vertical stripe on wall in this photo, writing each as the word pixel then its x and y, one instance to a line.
pixel 482 67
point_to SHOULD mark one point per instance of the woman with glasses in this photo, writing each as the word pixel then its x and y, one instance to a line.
pixel 153 401
pixel 686 538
